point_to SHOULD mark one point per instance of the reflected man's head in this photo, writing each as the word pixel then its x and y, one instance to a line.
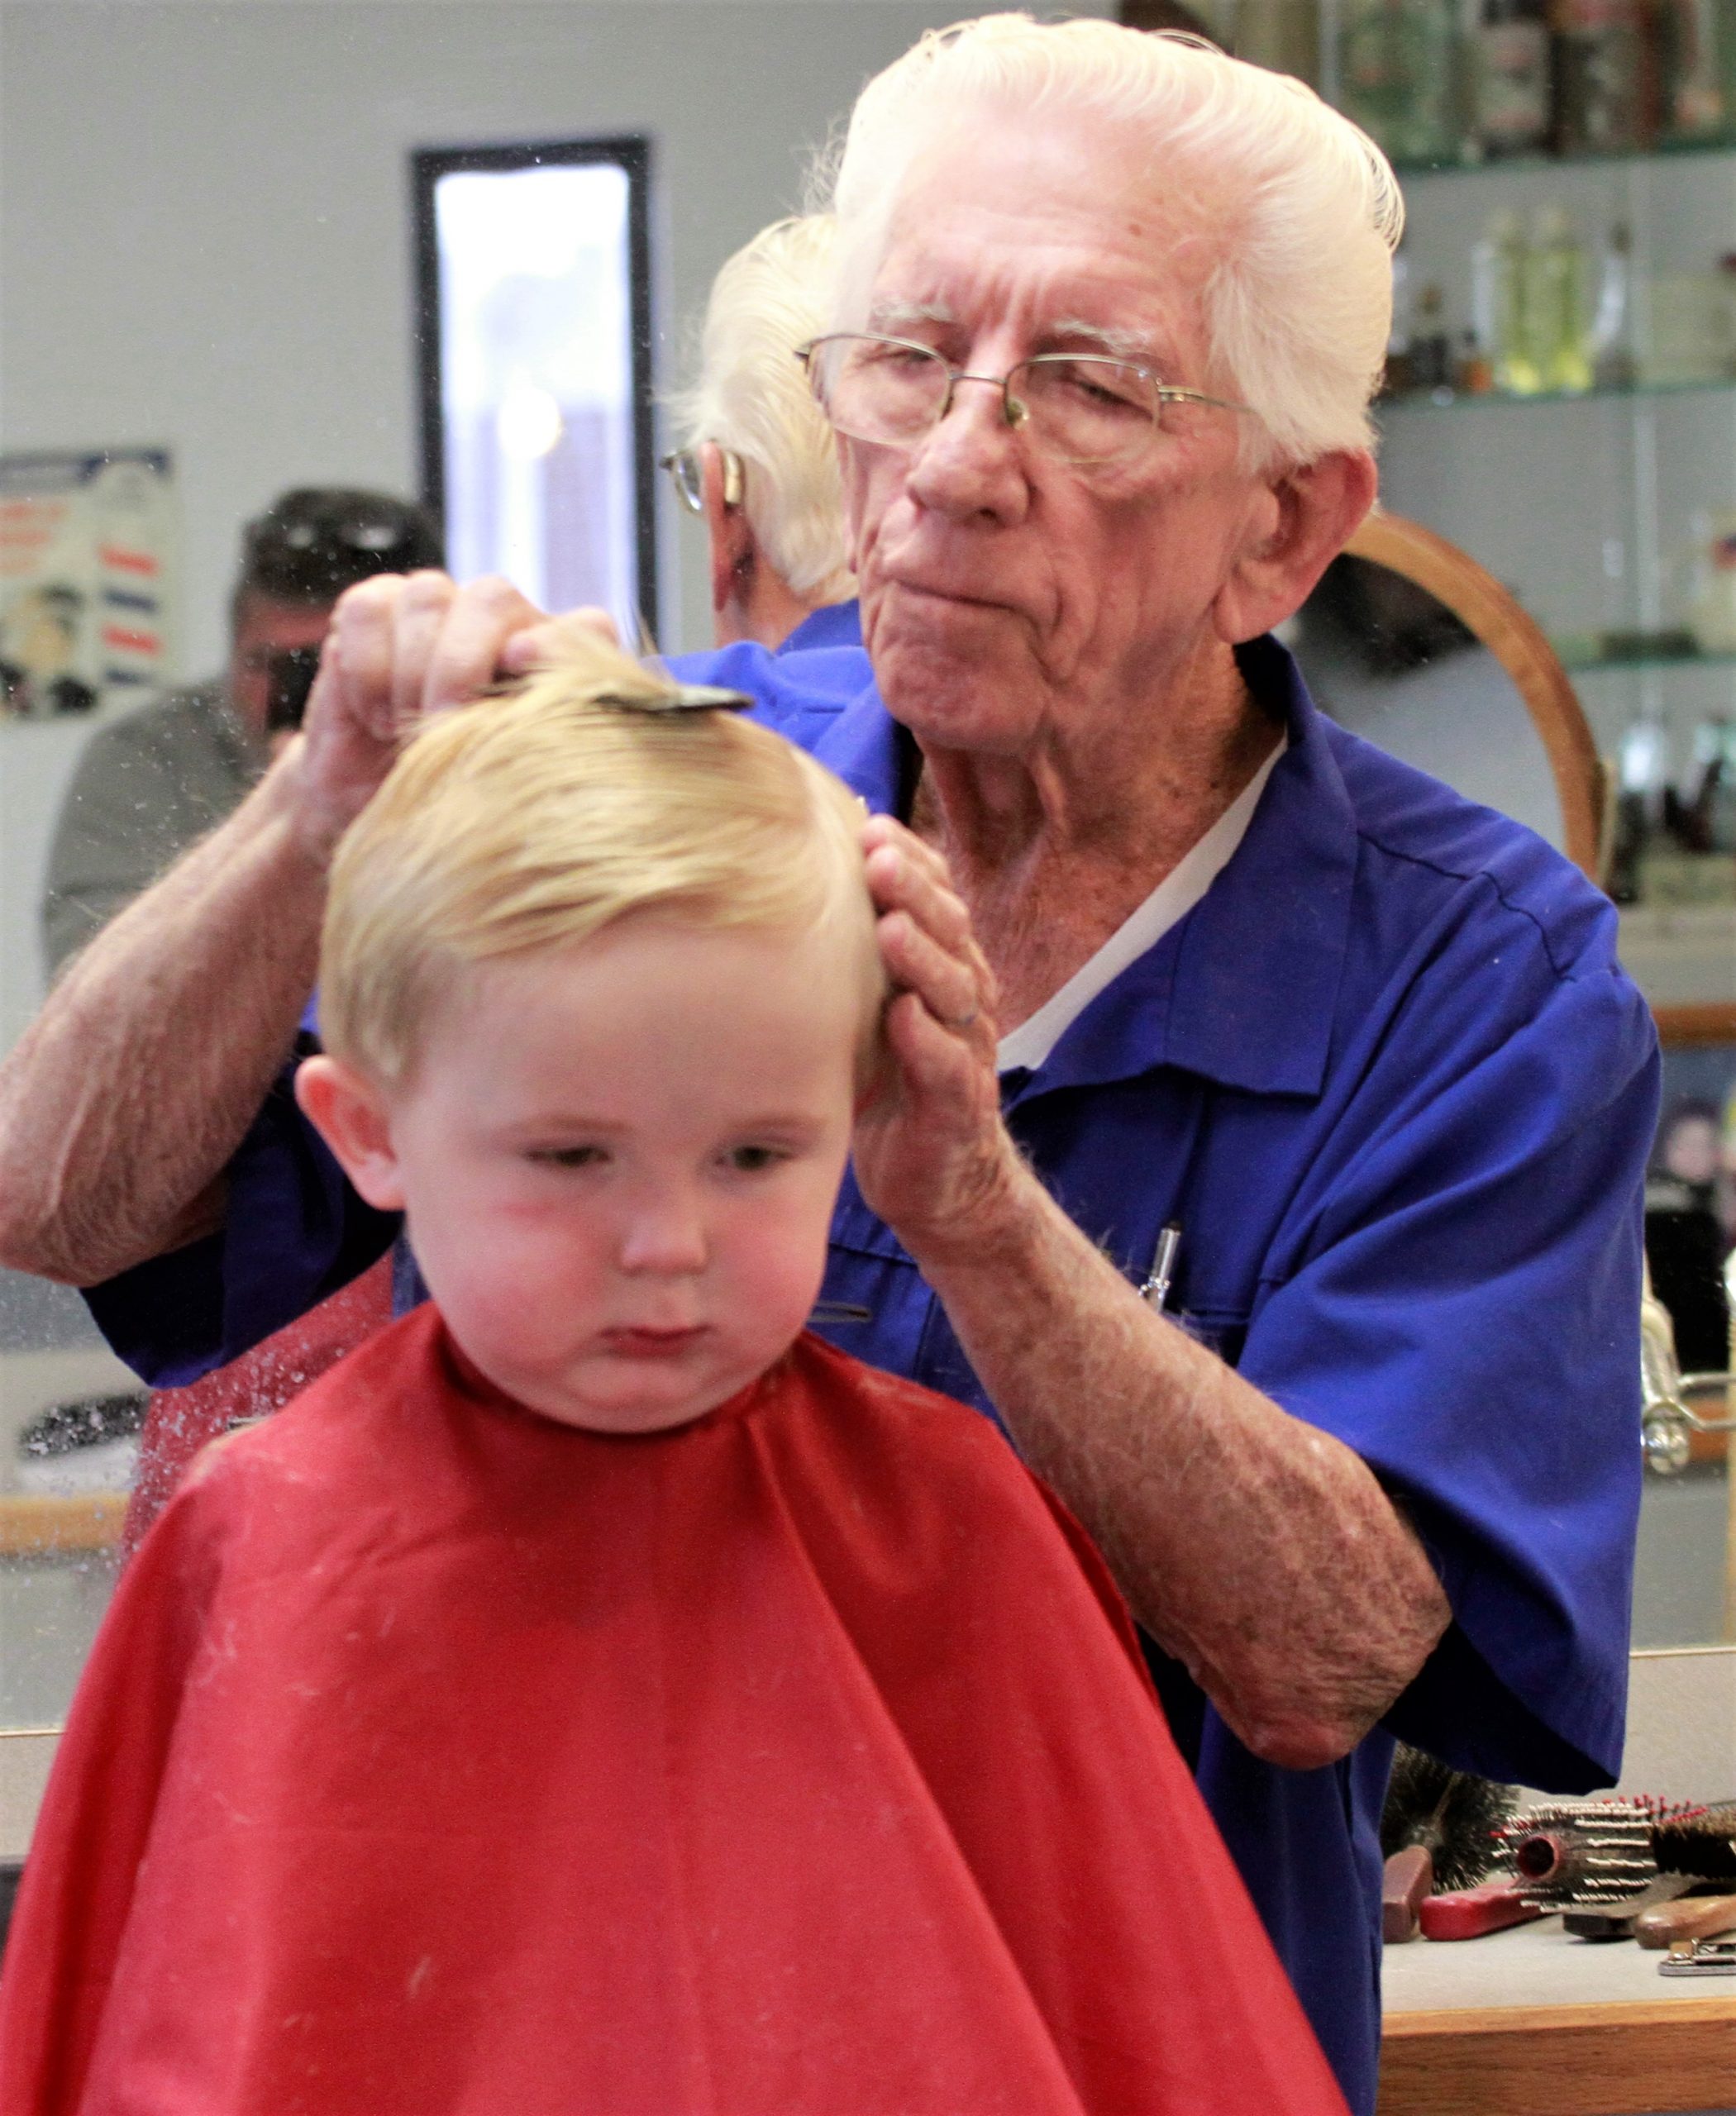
pixel 297 559
pixel 757 460
pixel 599 990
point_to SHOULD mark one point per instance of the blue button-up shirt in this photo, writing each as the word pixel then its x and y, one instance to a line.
pixel 1391 1083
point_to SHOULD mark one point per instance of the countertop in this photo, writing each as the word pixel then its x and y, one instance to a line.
pixel 1533 2022
pixel 1537 1964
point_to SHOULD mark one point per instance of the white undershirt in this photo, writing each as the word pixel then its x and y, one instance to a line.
pixel 1175 896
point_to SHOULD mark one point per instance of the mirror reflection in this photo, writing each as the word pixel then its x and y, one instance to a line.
pixel 1390 661
pixel 232 305
pixel 235 299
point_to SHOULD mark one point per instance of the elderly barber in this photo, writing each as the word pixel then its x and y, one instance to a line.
pixel 1176 953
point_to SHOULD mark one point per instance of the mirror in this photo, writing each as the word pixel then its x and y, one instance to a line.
pixel 1410 643
pixel 239 292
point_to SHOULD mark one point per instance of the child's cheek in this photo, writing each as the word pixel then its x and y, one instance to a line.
pixel 785 1269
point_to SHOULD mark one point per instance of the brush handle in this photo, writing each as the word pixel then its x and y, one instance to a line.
pixel 1689 1917
pixel 1614 1921
pixel 1468 1912
pixel 1408 1879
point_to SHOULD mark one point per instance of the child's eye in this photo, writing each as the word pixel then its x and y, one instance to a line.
pixel 568 1156
pixel 753 1161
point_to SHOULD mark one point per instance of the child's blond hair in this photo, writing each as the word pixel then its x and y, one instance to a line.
pixel 527 822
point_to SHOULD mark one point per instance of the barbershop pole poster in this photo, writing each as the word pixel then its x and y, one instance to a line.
pixel 87 545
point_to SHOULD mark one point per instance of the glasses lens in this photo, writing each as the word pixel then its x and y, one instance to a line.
pixel 380 534
pixel 879 388
pixel 684 473
pixel 1086 409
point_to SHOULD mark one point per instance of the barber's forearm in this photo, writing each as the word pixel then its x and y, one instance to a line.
pixel 1257 1550
pixel 122 1103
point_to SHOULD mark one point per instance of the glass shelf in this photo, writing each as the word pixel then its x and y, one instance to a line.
pixel 1579 662
pixel 1723 143
pixel 1451 400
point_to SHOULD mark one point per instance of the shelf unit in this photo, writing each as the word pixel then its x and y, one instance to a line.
pixel 1468 400
pixel 1659 150
pixel 1592 505
pixel 1580 662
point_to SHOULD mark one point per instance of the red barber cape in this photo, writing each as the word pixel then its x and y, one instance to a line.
pixel 180 1421
pixel 436 1758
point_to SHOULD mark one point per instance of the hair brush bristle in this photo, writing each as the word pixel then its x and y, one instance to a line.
pixel 1454 1814
pixel 1702 1842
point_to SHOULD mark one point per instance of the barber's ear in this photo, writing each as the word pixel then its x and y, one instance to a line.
pixel 733 549
pixel 350 1114
pixel 1301 522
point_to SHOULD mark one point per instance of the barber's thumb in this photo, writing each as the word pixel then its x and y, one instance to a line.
pixel 528 650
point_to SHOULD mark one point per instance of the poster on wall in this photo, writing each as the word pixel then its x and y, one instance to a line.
pixel 87 570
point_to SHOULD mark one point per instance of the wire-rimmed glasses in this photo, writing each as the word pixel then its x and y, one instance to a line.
pixel 686 475
pixel 1085 408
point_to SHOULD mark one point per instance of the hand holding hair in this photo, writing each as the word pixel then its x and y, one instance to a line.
pixel 930 1148
pixel 402 646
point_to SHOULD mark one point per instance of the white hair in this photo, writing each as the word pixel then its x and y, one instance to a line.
pixel 1299 309
pixel 752 397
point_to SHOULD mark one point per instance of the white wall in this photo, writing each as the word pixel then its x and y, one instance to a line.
pixel 205 224
pixel 205 242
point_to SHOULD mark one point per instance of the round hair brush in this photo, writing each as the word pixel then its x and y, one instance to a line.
pixel 1438 1832
pixel 1453 1814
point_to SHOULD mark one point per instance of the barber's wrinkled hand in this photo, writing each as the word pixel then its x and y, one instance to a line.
pixel 930 1154
pixel 402 645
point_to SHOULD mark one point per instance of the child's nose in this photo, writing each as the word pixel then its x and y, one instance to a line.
pixel 665 1235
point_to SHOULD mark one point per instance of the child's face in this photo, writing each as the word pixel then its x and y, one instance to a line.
pixel 619 1164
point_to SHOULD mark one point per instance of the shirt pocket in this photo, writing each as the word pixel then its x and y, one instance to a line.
pixel 1221 1330
pixel 873 1302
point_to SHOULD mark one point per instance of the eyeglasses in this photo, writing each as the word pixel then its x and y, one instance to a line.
pixel 686 475
pixel 317 540
pixel 385 533
pixel 1085 408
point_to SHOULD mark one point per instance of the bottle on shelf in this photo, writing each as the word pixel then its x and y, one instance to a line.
pixel 1279 34
pixel 1475 376
pixel 1398 76
pixel 1641 762
pixel 1692 35
pixel 1554 305
pixel 1604 76
pixel 1614 361
pixel 1399 375
pixel 1509 78
pixel 1498 306
pixel 1431 346
pixel 1713 805
pixel 1709 568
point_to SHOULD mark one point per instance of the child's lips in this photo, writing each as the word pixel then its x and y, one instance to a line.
pixel 638 1341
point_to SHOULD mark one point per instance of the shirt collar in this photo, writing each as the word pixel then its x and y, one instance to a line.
pixel 835 624
pixel 1244 989
pixel 1261 955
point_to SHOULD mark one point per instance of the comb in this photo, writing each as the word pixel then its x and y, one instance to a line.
pixel 684 698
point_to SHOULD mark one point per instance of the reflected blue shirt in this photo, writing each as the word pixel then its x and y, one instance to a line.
pixel 834 624
pixel 1389 1080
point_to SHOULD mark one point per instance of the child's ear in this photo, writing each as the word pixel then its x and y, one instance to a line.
pixel 350 1114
